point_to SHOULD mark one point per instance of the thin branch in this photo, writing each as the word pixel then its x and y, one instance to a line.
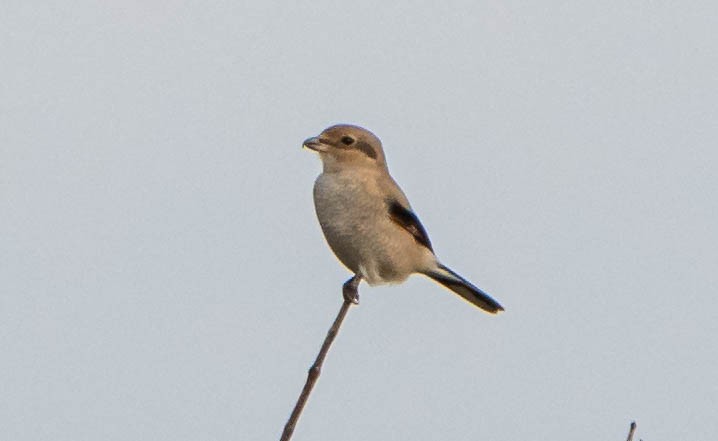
pixel 315 370
pixel 631 430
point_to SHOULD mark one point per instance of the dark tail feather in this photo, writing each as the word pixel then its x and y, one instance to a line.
pixel 464 288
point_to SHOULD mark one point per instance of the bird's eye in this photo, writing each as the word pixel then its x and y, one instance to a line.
pixel 347 140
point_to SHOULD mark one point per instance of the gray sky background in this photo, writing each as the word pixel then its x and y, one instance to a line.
pixel 163 276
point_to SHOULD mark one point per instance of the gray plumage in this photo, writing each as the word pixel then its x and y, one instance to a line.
pixel 368 221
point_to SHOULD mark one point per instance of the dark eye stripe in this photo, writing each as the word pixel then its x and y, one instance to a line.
pixel 366 149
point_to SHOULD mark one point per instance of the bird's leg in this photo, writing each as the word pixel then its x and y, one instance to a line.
pixel 350 290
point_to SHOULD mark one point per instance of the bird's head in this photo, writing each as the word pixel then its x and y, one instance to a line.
pixel 345 145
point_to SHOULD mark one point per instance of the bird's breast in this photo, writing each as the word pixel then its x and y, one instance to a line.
pixel 352 212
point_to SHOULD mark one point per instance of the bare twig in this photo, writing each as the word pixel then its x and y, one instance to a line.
pixel 316 369
pixel 631 430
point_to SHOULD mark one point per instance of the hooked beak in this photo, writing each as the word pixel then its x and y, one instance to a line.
pixel 313 143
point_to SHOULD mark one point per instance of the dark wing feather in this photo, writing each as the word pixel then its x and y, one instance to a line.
pixel 407 220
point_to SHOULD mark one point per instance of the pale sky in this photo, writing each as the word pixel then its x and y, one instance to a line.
pixel 163 275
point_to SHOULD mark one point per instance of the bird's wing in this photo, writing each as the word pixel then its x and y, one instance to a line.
pixel 407 220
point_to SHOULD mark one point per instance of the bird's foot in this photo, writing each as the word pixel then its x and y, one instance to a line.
pixel 350 290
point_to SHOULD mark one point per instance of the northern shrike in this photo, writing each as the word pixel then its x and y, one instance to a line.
pixel 367 219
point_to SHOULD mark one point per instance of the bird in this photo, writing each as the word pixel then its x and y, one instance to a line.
pixel 368 222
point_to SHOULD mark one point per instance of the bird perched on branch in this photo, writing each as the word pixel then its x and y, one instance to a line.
pixel 368 222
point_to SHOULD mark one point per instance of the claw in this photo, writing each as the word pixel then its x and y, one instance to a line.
pixel 350 290
pixel 351 295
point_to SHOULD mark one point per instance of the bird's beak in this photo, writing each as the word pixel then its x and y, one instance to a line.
pixel 313 143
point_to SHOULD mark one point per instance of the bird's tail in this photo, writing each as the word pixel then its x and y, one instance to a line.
pixel 464 288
